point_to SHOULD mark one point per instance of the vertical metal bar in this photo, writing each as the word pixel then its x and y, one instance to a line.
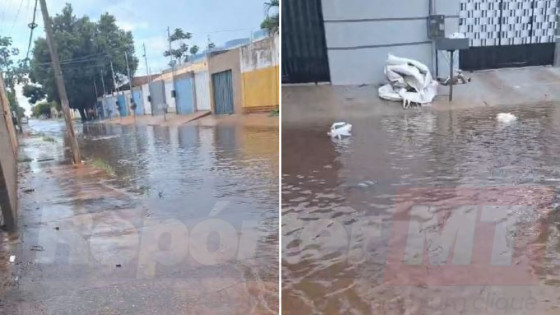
pixel 501 6
pixel 451 76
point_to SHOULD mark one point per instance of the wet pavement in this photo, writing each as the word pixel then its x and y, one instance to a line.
pixel 345 203
pixel 158 220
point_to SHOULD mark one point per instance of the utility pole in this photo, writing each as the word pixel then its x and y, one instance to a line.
pixel 102 82
pixel 60 85
pixel 114 81
pixel 116 89
pixel 146 61
pixel 95 87
pixel 130 86
pixel 169 45
pixel 7 112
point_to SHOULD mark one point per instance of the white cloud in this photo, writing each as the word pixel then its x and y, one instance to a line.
pixel 132 26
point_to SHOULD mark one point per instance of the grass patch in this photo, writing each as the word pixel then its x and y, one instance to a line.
pixel 24 159
pixel 47 139
pixel 103 165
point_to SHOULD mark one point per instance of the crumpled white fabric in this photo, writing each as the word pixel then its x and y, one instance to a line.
pixel 404 74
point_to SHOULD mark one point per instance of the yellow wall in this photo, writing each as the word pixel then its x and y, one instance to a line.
pixel 261 88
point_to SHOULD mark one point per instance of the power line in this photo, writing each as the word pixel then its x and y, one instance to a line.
pixel 17 15
pixel 87 58
pixel 32 26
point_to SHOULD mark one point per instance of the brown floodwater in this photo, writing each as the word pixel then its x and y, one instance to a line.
pixel 341 201
pixel 158 220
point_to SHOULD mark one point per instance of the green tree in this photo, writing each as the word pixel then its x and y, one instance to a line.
pixel 33 93
pixel 180 53
pixel 86 50
pixel 12 72
pixel 271 21
pixel 43 108
pixel 194 50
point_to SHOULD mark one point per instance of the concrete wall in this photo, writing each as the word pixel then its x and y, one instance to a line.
pixel 259 74
pixel 169 99
pixel 360 34
pixel 200 68
pixel 147 104
pixel 202 88
pixel 229 60
pixel 8 173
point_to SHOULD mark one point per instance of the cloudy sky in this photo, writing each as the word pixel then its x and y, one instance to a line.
pixel 148 20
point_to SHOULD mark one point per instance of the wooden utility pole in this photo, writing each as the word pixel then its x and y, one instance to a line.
pixel 103 83
pixel 130 86
pixel 169 45
pixel 60 85
pixel 7 113
pixel 146 61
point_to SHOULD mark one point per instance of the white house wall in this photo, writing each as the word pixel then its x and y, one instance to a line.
pixel 147 104
pixel 169 99
pixel 202 88
pixel 360 34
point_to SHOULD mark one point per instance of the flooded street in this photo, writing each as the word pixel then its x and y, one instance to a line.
pixel 158 220
pixel 343 201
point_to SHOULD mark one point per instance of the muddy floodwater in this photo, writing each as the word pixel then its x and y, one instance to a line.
pixel 343 203
pixel 158 220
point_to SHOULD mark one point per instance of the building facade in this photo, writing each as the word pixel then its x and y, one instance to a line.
pixel 347 42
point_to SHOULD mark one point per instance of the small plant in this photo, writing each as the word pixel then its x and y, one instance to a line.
pixel 24 159
pixel 48 139
pixel 103 165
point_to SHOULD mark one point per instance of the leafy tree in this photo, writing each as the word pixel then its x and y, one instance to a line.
pixel 194 50
pixel 33 93
pixel 182 51
pixel 43 108
pixel 272 21
pixel 14 104
pixel 85 49
pixel 13 73
pixel 211 45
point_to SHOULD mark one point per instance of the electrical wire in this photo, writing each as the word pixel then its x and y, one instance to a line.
pixel 17 15
pixel 32 26
pixel 78 60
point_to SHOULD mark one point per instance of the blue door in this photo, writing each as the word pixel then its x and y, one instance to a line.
pixel 184 95
pixel 137 97
pixel 222 87
pixel 122 102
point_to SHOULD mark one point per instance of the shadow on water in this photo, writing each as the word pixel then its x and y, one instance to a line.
pixel 339 199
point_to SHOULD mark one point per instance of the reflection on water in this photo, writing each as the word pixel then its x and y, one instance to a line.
pixel 152 201
pixel 338 202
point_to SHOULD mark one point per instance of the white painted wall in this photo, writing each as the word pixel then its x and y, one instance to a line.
pixel 147 104
pixel 169 99
pixel 127 97
pixel 260 54
pixel 202 88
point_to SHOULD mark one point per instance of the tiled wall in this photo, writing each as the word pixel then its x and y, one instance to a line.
pixel 480 21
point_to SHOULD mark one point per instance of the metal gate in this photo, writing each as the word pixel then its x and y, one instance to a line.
pixel 184 94
pixel 137 97
pixel 223 92
pixel 304 48
pixel 122 105
pixel 157 97
pixel 507 33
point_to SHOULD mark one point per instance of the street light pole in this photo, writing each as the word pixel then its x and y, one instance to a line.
pixel 60 85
